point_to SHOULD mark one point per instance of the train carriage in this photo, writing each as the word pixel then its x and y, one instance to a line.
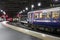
pixel 45 19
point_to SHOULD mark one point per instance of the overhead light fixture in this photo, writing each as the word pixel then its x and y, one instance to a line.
pixel 20 12
pixel 56 0
pixel 39 4
pixel 23 10
pixel 4 12
pixel 32 6
pixel 26 8
pixel 1 10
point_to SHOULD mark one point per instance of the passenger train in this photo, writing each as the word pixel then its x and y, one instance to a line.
pixel 45 19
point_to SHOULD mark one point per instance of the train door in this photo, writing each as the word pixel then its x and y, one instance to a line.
pixel 30 17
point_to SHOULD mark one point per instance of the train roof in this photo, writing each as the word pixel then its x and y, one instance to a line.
pixel 47 10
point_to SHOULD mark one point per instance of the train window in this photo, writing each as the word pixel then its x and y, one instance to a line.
pixel 59 13
pixel 41 15
pixel 44 15
pixel 36 15
pixel 55 15
pixel 49 15
pixel 29 15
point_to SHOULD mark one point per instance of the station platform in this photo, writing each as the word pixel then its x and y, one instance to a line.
pixel 10 32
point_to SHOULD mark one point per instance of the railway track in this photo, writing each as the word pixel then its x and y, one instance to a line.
pixel 37 30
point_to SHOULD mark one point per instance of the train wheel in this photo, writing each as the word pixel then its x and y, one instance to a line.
pixel 41 28
pixel 49 29
pixel 29 26
pixel 55 30
pixel 33 27
pixel 46 29
pixel 58 30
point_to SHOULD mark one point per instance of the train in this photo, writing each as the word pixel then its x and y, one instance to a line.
pixel 45 19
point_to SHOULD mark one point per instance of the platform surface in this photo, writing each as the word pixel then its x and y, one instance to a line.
pixel 10 34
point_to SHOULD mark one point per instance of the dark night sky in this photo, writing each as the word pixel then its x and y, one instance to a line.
pixel 12 7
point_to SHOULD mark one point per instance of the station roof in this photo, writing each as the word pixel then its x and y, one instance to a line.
pixel 12 7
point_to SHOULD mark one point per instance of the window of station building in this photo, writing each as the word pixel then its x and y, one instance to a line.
pixel 55 14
